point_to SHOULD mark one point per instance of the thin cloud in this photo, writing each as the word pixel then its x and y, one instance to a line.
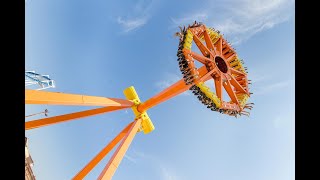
pixel 272 87
pixel 256 75
pixel 138 17
pixel 241 19
pixel 284 120
pixel 168 174
pixel 170 79
pixel 200 17
pixel 139 154
pixel 131 159
pixel 250 17
pixel 132 24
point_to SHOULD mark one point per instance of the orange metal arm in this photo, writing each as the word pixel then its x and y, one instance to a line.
pixel 204 50
pixel 116 158
pixel 67 117
pixel 237 72
pixel 174 90
pixel 219 46
pixel 199 57
pixel 54 98
pixel 228 88
pixel 102 154
pixel 236 84
pixel 208 40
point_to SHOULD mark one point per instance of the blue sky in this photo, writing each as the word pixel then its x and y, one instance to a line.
pixel 101 47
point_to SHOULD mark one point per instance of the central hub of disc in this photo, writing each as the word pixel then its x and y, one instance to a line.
pixel 221 64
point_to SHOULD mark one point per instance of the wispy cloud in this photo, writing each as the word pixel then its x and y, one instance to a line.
pixel 137 17
pixel 255 78
pixel 131 159
pixel 131 24
pixel 199 16
pixel 284 120
pixel 241 19
pixel 168 174
pixel 169 79
pixel 166 171
pixel 271 87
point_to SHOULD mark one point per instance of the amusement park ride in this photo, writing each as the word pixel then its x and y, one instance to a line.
pixel 220 63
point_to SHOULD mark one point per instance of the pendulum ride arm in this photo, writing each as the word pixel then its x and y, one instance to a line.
pixel 126 135
pixel 102 154
pixel 116 158
pixel 53 98
pixel 68 117
pixel 172 91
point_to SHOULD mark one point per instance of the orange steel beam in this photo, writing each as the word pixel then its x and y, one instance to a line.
pixel 199 57
pixel 204 50
pixel 218 51
pixel 116 158
pixel 228 88
pixel 102 154
pixel 208 40
pixel 218 86
pixel 174 90
pixel 56 98
pixel 67 117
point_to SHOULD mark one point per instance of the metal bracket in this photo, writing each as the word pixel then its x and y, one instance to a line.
pixel 146 123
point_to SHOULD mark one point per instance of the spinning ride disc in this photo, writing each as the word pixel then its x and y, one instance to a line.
pixel 223 65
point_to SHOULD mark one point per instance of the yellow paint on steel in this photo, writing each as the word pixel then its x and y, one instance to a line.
pixel 214 36
pixel 206 90
pixel 188 40
pixel 146 125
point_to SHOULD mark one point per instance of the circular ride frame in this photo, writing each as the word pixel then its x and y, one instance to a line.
pixel 223 65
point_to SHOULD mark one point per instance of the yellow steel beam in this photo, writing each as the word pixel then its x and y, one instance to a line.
pixel 68 117
pixel 146 124
pixel 116 158
pixel 102 154
pixel 56 98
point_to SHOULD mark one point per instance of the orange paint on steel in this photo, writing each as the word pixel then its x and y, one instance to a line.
pixel 174 90
pixel 208 40
pixel 236 84
pixel 230 92
pixel 204 50
pixel 218 85
pixel 102 154
pixel 213 54
pixel 68 117
pixel 116 158
pixel 199 57
pixel 56 98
